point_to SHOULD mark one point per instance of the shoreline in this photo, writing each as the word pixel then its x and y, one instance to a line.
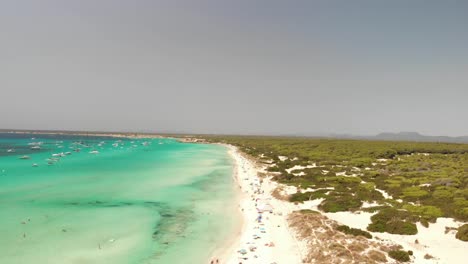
pixel 229 247
pixel 267 241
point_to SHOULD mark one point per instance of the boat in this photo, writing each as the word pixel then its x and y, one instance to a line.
pixel 94 152
pixel 35 147
pixel 35 165
pixel 24 157
pixel 68 153
pixel 10 150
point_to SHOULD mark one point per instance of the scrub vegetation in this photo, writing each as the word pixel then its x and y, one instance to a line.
pixel 408 182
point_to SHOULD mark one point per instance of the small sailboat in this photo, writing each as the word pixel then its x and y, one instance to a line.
pixel 36 147
pixel 35 165
pixel 10 150
pixel 94 152
pixel 25 157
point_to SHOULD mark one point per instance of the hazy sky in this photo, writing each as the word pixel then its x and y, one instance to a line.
pixel 264 67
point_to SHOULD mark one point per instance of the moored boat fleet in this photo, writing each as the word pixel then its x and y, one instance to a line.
pixel 75 147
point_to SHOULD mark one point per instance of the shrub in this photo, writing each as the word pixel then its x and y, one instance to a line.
pixel 300 197
pixel 401 227
pixel 427 256
pixel 462 233
pixel 308 211
pixel 414 192
pixel 333 204
pixel 428 212
pixel 377 256
pixel 399 255
pixel 425 223
pixel 394 222
pixel 353 231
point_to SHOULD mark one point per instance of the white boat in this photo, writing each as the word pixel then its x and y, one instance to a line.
pixel 25 157
pixel 10 150
pixel 35 147
pixel 94 152
pixel 35 165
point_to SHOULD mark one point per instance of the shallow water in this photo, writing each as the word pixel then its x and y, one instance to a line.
pixel 136 201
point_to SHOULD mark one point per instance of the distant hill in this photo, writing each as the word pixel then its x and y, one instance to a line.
pixel 408 136
pixel 415 136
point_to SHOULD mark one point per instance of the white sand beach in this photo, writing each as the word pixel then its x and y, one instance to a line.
pixel 268 240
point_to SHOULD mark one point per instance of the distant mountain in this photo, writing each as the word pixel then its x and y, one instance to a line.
pixel 415 136
pixel 407 136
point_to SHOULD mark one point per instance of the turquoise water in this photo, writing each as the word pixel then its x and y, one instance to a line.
pixel 109 200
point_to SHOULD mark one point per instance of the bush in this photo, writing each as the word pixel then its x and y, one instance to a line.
pixel 300 197
pixel 353 231
pixel 394 222
pixel 308 211
pixel 333 204
pixel 377 256
pixel 462 233
pixel 399 255
pixel 427 256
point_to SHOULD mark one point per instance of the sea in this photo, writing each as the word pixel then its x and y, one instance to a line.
pixel 87 199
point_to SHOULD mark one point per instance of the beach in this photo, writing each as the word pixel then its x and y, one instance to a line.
pixel 268 240
pixel 272 240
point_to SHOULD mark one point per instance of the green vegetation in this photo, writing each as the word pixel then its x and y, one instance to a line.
pixel 424 180
pixel 399 255
pixel 308 211
pixel 340 202
pixel 393 221
pixel 353 231
pixel 462 233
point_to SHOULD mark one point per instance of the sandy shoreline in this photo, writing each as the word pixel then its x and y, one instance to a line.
pixel 268 240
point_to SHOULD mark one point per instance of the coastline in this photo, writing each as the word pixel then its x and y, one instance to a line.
pixel 90 134
pixel 268 241
pixel 443 247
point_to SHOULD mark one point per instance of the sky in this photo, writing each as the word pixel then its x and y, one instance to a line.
pixel 235 67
